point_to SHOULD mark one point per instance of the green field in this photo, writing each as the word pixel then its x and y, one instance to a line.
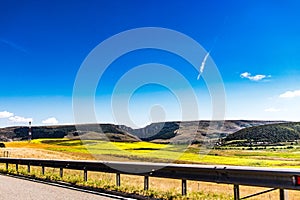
pixel 152 152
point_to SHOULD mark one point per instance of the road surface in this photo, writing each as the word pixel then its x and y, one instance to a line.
pixel 19 189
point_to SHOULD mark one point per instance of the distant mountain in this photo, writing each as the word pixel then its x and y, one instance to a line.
pixel 154 131
pixel 192 131
pixel 87 131
pixel 176 132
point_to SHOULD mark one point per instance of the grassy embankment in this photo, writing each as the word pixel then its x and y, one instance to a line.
pixel 143 151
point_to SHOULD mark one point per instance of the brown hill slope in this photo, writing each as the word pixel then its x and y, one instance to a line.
pixel 192 131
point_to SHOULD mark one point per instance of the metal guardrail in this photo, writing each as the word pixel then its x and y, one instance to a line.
pixel 281 179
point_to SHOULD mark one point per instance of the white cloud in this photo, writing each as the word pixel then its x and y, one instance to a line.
pixel 290 94
pixel 51 120
pixel 272 110
pixel 5 114
pixel 257 77
pixel 18 119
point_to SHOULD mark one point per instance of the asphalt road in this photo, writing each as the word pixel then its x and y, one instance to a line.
pixel 18 189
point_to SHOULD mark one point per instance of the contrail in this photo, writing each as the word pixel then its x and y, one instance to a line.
pixel 202 65
pixel 13 45
pixel 207 54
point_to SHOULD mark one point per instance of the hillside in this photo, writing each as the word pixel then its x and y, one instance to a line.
pixel 88 131
pixel 267 134
pixel 175 132
pixel 192 131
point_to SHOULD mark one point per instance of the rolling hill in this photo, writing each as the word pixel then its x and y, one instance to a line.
pixel 266 134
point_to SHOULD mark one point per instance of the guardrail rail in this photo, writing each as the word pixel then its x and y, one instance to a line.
pixel 282 179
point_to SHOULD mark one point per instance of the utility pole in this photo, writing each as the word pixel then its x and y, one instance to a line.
pixel 29 132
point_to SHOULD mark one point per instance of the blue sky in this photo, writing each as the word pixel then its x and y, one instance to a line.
pixel 254 45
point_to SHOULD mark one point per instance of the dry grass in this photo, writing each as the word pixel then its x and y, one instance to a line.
pixel 39 153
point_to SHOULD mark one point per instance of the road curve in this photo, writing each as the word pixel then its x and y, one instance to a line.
pixel 19 189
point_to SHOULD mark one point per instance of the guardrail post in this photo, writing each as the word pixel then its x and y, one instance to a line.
pixel 236 192
pixel 146 182
pixel 183 184
pixel 43 170
pixel 6 154
pixel 283 194
pixel 61 172
pixel 17 167
pixel 85 175
pixel 28 168
pixel 118 179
